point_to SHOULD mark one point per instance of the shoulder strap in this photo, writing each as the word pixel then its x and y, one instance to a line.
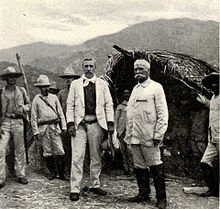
pixel 49 105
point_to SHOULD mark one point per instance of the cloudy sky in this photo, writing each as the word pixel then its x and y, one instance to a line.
pixel 75 21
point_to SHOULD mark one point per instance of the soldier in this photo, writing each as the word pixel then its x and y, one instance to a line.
pixel 211 82
pixel 46 118
pixel 14 104
pixel 89 113
pixel 53 88
pixel 147 121
pixel 68 76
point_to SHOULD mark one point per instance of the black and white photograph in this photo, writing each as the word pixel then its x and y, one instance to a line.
pixel 109 104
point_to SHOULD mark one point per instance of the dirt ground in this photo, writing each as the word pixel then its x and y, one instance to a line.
pixel 43 194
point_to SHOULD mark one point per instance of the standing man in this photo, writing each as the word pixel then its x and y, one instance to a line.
pixel 147 121
pixel 89 113
pixel 14 105
pixel 120 123
pixel 53 89
pixel 68 76
pixel 46 117
pixel 211 82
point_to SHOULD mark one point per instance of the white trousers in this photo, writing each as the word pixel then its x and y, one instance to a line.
pixel 94 134
pixel 212 151
pixel 12 128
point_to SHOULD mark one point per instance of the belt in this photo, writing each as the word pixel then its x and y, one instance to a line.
pixel 49 122
pixel 13 116
pixel 90 121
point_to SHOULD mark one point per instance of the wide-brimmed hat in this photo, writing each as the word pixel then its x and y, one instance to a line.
pixel 42 81
pixel 69 73
pixel 10 72
pixel 210 79
pixel 53 88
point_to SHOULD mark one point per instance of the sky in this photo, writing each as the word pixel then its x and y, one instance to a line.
pixel 75 21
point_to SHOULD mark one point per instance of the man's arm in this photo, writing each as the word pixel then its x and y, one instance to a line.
pixel 34 117
pixel 162 114
pixel 203 100
pixel 61 115
pixel 70 110
pixel 27 104
pixel 109 110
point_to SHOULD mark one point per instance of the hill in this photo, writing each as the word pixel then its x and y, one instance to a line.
pixel 193 37
pixel 33 51
pixel 197 38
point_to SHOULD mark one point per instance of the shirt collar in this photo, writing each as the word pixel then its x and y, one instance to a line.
pixel 87 80
pixel 144 84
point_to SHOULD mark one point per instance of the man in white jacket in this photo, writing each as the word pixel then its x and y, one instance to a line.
pixel 46 117
pixel 147 121
pixel 89 113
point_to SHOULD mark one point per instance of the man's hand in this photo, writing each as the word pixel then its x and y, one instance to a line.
pixel 110 127
pixel 156 142
pixel 71 129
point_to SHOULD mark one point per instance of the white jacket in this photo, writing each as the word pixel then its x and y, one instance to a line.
pixel 147 114
pixel 76 104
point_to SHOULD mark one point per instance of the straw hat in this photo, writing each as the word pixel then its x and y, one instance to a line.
pixel 69 73
pixel 10 72
pixel 43 81
pixel 53 88
pixel 210 79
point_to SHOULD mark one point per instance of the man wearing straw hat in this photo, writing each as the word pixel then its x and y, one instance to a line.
pixel 14 104
pixel 46 117
pixel 211 82
pixel 53 89
pixel 89 113
pixel 68 76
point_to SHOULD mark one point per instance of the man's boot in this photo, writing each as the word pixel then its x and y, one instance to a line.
pixel 159 184
pixel 50 162
pixel 143 182
pixel 61 167
pixel 210 178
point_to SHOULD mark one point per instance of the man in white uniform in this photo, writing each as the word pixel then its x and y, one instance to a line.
pixel 147 121
pixel 89 113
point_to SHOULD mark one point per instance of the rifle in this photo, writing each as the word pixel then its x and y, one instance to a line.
pixel 26 117
pixel 23 73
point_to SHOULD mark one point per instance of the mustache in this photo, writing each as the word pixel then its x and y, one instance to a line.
pixel 139 75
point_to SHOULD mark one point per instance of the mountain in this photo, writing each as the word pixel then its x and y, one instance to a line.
pixel 193 37
pixel 30 52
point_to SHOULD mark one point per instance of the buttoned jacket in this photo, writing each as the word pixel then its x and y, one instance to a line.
pixel 147 114
pixel 76 103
